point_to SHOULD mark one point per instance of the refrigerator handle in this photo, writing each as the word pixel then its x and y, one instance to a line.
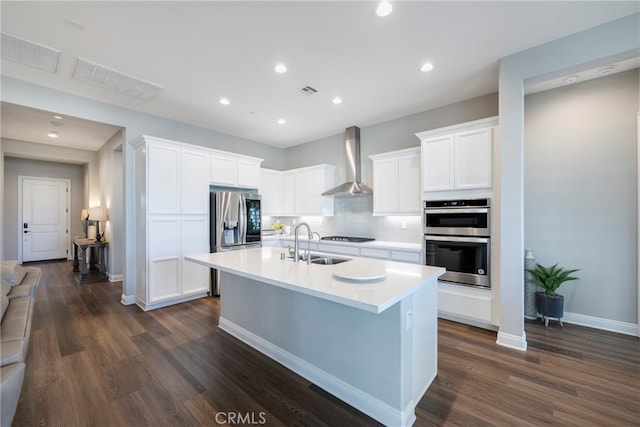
pixel 242 220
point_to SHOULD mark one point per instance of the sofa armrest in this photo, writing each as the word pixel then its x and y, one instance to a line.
pixel 11 377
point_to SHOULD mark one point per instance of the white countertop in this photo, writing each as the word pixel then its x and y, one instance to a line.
pixel 417 247
pixel 264 264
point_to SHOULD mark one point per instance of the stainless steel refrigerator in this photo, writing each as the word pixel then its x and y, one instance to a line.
pixel 235 224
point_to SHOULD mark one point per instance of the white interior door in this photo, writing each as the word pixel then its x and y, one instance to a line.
pixel 45 218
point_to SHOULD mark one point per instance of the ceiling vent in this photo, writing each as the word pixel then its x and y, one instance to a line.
pixel 307 90
pixel 29 53
pixel 99 75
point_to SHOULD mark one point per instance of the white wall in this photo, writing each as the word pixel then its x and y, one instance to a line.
pixel 580 191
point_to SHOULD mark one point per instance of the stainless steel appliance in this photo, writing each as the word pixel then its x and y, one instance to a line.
pixel 469 217
pixel 457 237
pixel 235 224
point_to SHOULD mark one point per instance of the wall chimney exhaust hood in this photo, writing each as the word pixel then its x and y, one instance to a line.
pixel 353 186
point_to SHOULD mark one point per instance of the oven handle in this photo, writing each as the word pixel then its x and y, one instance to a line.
pixel 456 239
pixel 455 210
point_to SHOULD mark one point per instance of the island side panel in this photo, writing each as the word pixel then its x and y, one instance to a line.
pixel 363 349
pixel 425 339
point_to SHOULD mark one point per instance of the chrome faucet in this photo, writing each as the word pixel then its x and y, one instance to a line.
pixel 296 245
pixel 315 233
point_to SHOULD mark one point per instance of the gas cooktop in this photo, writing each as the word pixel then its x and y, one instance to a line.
pixel 348 239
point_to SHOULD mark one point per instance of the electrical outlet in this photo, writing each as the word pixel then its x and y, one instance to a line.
pixel 404 225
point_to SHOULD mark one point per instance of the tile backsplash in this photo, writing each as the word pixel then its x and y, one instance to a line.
pixel 353 217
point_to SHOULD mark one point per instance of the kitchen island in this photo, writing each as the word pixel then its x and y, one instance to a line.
pixel 364 330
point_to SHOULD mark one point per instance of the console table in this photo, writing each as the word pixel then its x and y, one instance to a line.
pixel 96 251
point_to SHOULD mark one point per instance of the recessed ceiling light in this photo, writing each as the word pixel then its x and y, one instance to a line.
pixel 606 70
pixel 384 8
pixel 52 134
pixel 337 100
pixel 281 121
pixel 225 101
pixel 427 66
pixel 571 79
pixel 57 117
pixel 280 68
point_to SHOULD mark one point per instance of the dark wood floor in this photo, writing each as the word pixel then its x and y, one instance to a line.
pixel 94 362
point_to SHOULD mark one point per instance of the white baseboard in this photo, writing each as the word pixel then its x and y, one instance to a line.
pixel 600 323
pixel 127 299
pixel 512 341
pixel 116 277
pixel 355 397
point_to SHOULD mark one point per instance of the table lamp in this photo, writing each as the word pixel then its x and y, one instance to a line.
pixel 97 215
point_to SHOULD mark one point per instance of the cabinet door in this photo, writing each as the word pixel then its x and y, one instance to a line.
pixel 194 182
pixel 437 162
pixel 385 186
pixel 163 179
pixel 310 185
pixel 289 193
pixel 248 174
pixel 224 170
pixel 271 189
pixel 164 258
pixel 473 159
pixel 409 198
pixel 195 239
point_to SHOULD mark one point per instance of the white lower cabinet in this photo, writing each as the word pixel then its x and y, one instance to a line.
pixel 464 303
pixel 374 253
pixel 171 186
pixel 405 256
pixel 194 277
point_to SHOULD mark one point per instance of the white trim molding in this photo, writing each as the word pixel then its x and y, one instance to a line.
pixel 512 341
pixel 127 299
pixel 600 323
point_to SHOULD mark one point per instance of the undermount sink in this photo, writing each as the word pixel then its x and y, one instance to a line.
pixel 325 260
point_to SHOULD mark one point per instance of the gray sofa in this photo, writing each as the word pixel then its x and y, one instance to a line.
pixel 19 287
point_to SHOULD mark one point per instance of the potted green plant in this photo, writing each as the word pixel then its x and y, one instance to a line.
pixel 550 304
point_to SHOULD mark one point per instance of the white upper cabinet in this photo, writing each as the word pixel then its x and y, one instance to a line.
pixel 473 159
pixel 458 157
pixel 229 170
pixel 163 169
pixel 271 188
pixel 194 191
pixel 396 182
pixel 311 182
pixel 224 170
pixel 297 192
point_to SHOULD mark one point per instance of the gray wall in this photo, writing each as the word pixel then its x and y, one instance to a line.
pixel 353 215
pixel 388 136
pixel 13 167
pixel 581 192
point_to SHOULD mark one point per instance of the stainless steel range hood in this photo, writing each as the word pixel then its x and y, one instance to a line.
pixel 353 186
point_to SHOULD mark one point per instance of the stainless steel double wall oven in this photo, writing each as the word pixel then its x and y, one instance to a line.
pixel 457 236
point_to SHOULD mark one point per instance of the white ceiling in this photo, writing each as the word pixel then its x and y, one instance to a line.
pixel 204 50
